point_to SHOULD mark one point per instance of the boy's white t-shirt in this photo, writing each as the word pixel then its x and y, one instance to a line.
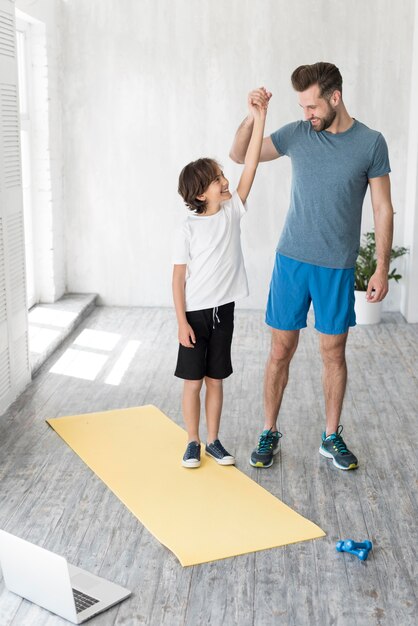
pixel 210 245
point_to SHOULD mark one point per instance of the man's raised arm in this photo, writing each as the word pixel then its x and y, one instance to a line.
pixel 258 97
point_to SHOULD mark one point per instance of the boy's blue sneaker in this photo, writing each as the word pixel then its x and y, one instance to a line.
pixel 333 447
pixel 191 457
pixel 268 446
pixel 218 452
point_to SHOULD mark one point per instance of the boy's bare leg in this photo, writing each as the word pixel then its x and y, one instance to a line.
pixel 191 408
pixel 283 347
pixel 213 406
pixel 334 377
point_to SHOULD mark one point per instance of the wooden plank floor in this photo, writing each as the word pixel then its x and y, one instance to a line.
pixel 51 498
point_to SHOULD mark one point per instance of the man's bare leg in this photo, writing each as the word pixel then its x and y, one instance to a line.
pixel 334 381
pixel 283 347
pixel 334 377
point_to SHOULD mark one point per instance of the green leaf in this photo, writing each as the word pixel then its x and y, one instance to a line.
pixel 367 262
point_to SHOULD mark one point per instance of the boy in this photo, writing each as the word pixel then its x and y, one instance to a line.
pixel 208 276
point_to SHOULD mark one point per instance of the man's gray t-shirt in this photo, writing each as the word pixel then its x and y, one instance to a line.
pixel 330 174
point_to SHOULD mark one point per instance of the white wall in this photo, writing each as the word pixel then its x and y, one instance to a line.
pixel 151 84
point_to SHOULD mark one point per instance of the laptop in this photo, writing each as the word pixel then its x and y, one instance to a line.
pixel 46 578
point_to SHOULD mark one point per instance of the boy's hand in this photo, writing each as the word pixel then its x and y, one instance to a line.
pixel 258 112
pixel 258 100
pixel 186 336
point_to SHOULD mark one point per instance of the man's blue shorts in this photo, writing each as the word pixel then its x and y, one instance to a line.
pixel 294 285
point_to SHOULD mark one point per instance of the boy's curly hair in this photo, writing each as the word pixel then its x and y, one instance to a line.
pixel 194 179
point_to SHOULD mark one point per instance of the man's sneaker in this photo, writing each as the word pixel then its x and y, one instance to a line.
pixel 333 447
pixel 191 457
pixel 268 445
pixel 218 452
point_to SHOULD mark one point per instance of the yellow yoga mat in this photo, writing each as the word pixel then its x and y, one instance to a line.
pixel 203 514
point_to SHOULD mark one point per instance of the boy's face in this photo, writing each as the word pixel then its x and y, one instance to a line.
pixel 217 192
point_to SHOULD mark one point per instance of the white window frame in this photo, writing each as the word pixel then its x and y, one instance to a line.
pixel 23 28
pixel 14 352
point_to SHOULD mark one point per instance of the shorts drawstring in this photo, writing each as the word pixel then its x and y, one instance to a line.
pixel 215 317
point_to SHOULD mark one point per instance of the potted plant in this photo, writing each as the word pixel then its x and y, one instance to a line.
pixel 370 312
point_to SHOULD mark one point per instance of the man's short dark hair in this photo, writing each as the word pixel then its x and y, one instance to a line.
pixel 194 179
pixel 326 75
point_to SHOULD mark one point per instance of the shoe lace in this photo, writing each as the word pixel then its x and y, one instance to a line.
pixel 217 444
pixel 338 441
pixel 192 450
pixel 266 440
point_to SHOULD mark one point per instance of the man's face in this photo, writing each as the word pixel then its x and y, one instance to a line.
pixel 317 110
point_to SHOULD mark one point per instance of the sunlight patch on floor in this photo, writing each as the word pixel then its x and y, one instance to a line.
pixel 122 363
pixel 97 339
pixel 80 364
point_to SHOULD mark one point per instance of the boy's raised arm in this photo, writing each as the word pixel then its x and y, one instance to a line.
pixel 252 156
pixel 242 137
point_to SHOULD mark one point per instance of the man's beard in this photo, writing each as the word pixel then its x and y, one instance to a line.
pixel 325 122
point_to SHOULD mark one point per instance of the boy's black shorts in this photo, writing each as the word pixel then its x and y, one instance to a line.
pixel 211 355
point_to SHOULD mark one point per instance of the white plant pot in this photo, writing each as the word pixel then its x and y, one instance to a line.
pixel 367 312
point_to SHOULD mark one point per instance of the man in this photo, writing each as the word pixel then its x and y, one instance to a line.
pixel 334 159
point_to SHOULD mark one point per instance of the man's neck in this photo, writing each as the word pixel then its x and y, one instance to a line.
pixel 342 122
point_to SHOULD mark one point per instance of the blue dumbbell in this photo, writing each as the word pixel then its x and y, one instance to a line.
pixel 355 545
pixel 360 550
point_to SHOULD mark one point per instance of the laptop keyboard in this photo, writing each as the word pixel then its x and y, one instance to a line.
pixel 82 600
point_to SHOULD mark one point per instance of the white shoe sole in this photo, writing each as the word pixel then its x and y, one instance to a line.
pixel 328 455
pixel 260 464
pixel 227 460
pixel 191 464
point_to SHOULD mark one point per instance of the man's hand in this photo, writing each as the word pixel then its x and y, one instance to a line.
pixel 186 335
pixel 258 100
pixel 377 287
